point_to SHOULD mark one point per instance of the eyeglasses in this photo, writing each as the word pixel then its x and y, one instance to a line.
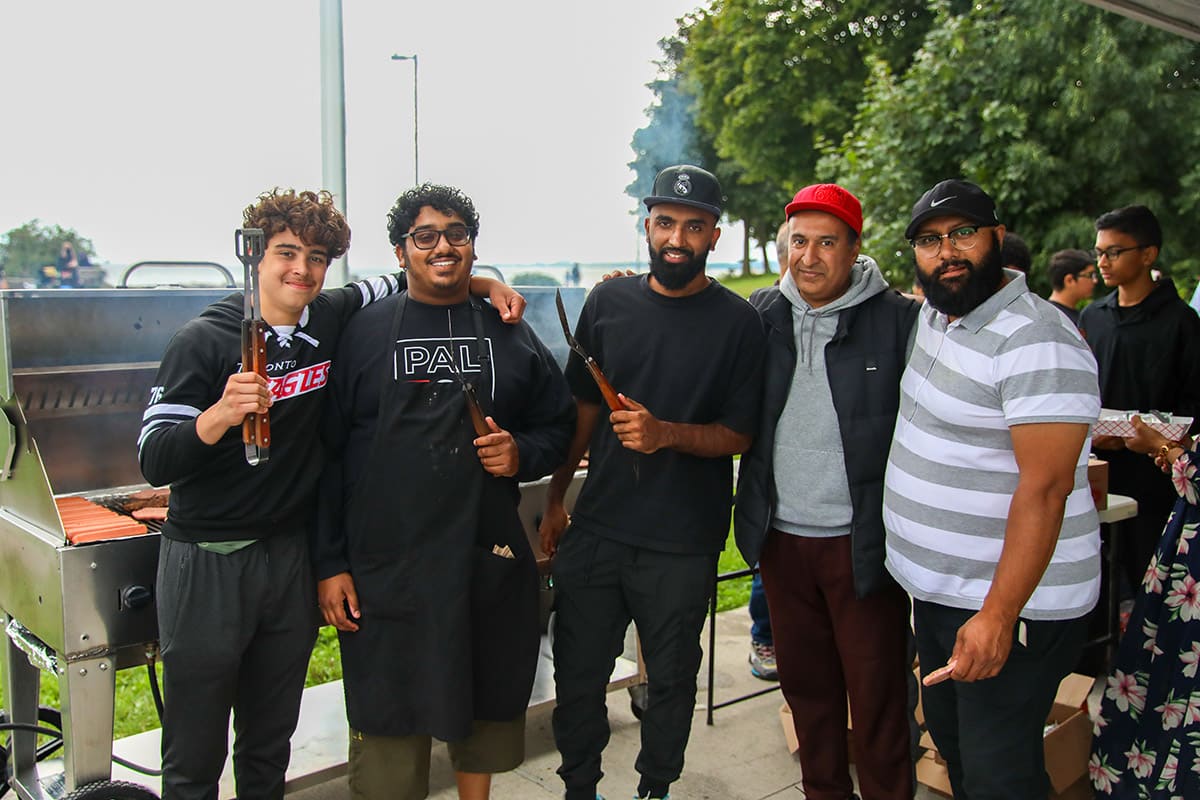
pixel 928 244
pixel 427 238
pixel 1113 253
pixel 1089 276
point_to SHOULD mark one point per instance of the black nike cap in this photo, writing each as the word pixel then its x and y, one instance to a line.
pixel 953 198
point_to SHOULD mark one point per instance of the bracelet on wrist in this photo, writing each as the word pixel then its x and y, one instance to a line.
pixel 1164 450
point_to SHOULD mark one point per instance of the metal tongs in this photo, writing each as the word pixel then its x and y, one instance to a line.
pixel 250 243
pixel 474 409
pixel 606 388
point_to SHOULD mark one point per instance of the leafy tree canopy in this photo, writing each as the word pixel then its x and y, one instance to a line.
pixel 1061 111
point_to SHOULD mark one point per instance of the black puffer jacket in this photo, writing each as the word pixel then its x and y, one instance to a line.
pixel 864 362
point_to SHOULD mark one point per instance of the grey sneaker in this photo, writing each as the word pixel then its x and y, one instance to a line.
pixel 762 661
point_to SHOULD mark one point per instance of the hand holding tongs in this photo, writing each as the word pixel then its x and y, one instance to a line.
pixel 256 428
pixel 606 388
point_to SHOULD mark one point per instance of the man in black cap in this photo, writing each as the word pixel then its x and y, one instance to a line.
pixel 989 520
pixel 685 355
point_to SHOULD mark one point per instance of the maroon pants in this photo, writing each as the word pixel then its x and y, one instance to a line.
pixel 830 644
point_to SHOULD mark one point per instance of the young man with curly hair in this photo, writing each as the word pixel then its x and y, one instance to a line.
pixel 423 563
pixel 236 611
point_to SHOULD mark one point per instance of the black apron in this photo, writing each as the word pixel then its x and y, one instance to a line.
pixel 449 629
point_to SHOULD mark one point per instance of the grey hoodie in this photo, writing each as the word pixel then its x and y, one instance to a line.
pixel 810 468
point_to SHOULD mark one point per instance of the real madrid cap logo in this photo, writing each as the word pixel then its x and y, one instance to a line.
pixel 687 185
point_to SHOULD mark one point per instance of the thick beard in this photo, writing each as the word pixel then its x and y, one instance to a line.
pixel 675 276
pixel 961 298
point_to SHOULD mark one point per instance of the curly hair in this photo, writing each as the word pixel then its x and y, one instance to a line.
pixel 446 199
pixel 310 215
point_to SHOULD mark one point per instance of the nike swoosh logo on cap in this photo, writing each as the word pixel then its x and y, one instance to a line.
pixel 936 203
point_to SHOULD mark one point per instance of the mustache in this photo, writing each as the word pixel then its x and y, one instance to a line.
pixel 955 263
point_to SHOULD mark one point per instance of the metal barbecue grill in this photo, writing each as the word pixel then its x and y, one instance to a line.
pixel 76 369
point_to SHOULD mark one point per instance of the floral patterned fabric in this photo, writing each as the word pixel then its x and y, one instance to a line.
pixel 1147 737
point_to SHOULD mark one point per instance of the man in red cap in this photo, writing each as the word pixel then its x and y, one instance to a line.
pixel 810 498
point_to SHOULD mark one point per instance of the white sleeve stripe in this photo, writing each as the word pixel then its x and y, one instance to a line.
pixel 170 410
pixel 151 428
pixel 372 289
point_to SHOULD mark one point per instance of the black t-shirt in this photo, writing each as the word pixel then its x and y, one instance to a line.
pixel 523 390
pixel 695 359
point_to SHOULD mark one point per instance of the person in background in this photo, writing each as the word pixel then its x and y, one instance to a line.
pixel 763 663
pixel 809 500
pixel 1147 344
pixel 1014 254
pixel 67 265
pixel 1073 279
pixel 990 522
pixel 1147 733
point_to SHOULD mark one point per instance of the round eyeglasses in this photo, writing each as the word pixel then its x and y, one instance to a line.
pixel 964 238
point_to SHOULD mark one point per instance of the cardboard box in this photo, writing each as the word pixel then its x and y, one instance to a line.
pixel 1097 473
pixel 1068 745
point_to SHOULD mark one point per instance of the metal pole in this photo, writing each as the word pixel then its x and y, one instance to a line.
pixel 416 148
pixel 416 127
pixel 333 119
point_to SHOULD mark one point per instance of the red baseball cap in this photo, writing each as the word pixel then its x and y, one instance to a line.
pixel 830 198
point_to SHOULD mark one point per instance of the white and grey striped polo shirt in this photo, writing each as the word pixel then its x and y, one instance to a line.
pixel 951 472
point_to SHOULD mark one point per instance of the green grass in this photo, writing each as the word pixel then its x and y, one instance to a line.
pixel 135 705
pixel 744 286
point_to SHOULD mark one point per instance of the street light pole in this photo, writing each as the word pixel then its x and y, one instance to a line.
pixel 416 146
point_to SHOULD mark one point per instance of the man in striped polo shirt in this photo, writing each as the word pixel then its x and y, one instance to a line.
pixel 990 523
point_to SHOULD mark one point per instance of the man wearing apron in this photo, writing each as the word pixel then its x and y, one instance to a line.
pixel 423 563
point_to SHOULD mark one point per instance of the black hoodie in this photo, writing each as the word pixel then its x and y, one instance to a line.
pixel 1149 359
pixel 215 494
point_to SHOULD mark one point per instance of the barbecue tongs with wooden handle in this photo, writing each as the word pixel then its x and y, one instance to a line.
pixel 256 428
pixel 606 388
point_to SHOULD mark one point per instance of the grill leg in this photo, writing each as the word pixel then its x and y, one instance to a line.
pixel 87 707
pixel 21 693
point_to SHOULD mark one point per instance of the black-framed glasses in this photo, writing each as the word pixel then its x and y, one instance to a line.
pixel 1090 276
pixel 427 238
pixel 964 238
pixel 1113 253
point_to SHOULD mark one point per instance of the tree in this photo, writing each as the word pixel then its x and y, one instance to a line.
pixel 27 248
pixel 777 81
pixel 1061 111
pixel 670 137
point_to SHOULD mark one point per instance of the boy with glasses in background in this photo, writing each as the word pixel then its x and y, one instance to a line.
pixel 1147 344
pixel 1073 277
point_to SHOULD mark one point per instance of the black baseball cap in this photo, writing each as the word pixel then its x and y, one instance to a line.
pixel 953 198
pixel 689 186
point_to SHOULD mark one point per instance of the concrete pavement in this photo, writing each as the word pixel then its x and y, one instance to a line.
pixel 743 756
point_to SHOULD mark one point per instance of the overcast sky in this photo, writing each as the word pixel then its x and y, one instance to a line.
pixel 148 126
